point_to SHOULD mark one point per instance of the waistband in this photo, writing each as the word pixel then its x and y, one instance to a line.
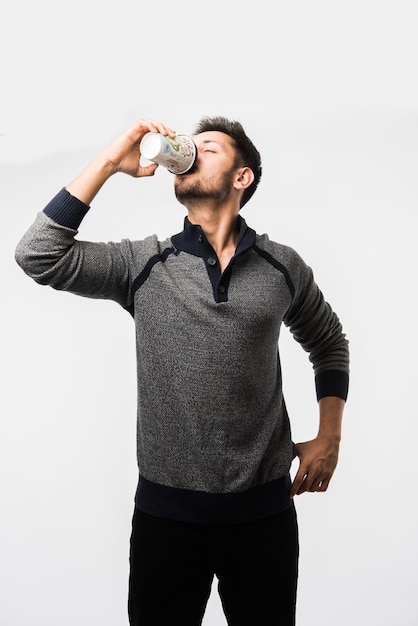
pixel 213 508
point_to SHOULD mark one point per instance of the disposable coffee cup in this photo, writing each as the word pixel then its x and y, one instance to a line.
pixel 177 155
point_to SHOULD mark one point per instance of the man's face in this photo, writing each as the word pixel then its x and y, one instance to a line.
pixel 212 175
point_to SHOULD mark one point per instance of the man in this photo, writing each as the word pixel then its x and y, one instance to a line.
pixel 214 441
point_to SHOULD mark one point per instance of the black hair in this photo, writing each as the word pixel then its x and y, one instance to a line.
pixel 247 153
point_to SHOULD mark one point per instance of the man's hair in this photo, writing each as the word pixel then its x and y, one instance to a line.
pixel 247 154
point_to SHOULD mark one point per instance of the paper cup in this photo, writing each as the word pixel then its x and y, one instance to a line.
pixel 177 155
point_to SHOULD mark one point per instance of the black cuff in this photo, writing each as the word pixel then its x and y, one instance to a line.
pixel 66 210
pixel 332 383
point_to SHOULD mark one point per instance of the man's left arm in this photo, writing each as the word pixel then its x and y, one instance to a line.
pixel 318 329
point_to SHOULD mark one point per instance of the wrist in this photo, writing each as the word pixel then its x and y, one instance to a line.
pixel 103 167
pixel 89 182
pixel 332 438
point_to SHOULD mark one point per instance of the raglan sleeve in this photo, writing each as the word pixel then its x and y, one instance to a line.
pixel 318 329
pixel 50 254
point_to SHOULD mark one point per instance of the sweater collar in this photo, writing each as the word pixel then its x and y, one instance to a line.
pixel 193 240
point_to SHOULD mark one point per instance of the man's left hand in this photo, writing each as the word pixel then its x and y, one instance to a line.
pixel 317 462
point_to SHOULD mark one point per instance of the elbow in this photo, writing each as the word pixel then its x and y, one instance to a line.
pixel 22 257
pixel 31 262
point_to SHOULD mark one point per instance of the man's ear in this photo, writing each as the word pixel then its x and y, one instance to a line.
pixel 244 178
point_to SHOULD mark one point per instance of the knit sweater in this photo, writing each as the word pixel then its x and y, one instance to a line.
pixel 214 439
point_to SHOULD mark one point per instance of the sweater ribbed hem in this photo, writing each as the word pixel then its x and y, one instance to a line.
pixel 66 210
pixel 213 508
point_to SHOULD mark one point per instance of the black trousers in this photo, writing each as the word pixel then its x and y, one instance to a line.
pixel 172 565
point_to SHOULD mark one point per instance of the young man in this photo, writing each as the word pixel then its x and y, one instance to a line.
pixel 214 441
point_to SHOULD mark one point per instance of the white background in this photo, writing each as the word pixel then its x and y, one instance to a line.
pixel 328 92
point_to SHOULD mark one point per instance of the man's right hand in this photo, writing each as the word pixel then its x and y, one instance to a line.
pixel 122 155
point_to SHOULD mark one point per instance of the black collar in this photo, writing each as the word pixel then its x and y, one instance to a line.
pixel 193 240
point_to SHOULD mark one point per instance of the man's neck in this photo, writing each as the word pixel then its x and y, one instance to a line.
pixel 221 229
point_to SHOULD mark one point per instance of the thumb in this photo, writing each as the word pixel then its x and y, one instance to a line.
pixel 147 170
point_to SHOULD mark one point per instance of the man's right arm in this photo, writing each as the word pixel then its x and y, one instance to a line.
pixel 49 252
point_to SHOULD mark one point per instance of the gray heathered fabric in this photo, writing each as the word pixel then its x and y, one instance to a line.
pixel 211 414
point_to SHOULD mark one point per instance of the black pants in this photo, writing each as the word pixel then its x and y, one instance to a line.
pixel 173 564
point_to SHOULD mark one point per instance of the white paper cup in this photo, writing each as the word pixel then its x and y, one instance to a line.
pixel 177 155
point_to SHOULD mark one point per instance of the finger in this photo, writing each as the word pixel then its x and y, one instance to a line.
pixel 298 482
pixel 311 482
pixel 306 485
pixel 158 127
pixel 142 127
pixel 316 485
pixel 319 484
pixel 325 484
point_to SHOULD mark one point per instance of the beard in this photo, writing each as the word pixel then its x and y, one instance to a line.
pixel 215 188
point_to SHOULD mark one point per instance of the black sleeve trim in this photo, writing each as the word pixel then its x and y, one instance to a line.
pixel 332 383
pixel 143 276
pixel 66 210
pixel 279 266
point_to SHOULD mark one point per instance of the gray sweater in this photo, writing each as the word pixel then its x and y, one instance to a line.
pixel 214 441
